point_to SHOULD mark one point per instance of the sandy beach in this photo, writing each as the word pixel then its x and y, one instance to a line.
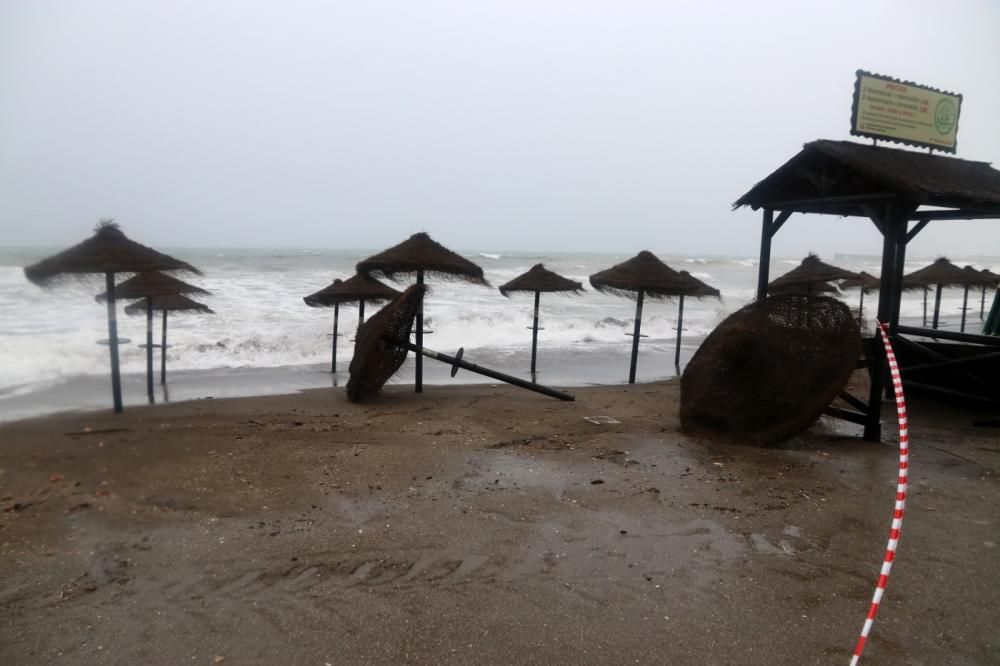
pixel 484 524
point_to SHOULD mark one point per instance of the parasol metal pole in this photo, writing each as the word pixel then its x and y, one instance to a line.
pixel 937 306
pixel 925 306
pixel 982 304
pixel 163 350
pixel 965 307
pixel 149 350
pixel 680 327
pixel 861 309
pixel 635 336
pixel 333 358
pixel 534 334
pixel 418 381
pixel 361 312
pixel 116 379
pixel 457 362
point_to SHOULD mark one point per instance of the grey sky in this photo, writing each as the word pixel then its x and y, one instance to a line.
pixel 492 125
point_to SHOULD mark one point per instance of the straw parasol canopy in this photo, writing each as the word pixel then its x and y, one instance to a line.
pixel 809 274
pixel 107 251
pixel 421 254
pixel 864 281
pixel 540 279
pixel 695 288
pixel 168 303
pixel 357 288
pixel 376 359
pixel 803 289
pixel 152 283
pixel 642 273
pixel 941 273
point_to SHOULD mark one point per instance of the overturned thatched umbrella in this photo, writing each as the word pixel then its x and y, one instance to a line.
pixel 940 274
pixel 108 252
pixel 382 342
pixel 642 275
pixel 421 256
pixel 146 286
pixel 537 280
pixel 809 275
pixel 695 288
pixel 360 288
pixel 167 303
pixel 865 282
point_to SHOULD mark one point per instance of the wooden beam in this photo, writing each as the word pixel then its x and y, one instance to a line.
pixel 846 415
pixel 988 340
pixel 956 215
pixel 917 228
pixel 780 220
pixel 829 201
pixel 856 403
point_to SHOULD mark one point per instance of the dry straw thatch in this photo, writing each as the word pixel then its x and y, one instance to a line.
pixel 168 303
pixel 642 273
pixel 864 281
pixel 810 273
pixel 421 254
pixel 107 251
pixel 354 289
pixel 940 273
pixel 376 359
pixel 770 369
pixel 802 289
pixel 151 283
pixel 541 279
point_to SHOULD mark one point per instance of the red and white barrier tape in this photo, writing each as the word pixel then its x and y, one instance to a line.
pixel 897 514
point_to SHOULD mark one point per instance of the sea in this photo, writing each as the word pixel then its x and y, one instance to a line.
pixel 263 339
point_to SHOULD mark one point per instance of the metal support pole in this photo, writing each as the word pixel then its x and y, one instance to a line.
pixel 418 382
pixel 457 362
pixel 116 380
pixel 361 312
pixel 163 350
pixel 861 309
pixel 982 304
pixel 680 327
pixel 925 290
pixel 336 318
pixel 937 307
pixel 965 305
pixel 635 336
pixel 534 334
pixel 764 268
pixel 149 350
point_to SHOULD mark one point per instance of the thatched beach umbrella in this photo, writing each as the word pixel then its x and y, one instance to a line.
pixel 990 280
pixel 358 288
pixel 108 252
pixel 809 275
pixel 537 280
pixel 695 288
pixel 642 275
pixel 865 282
pixel 421 256
pixel 817 288
pixel 940 274
pixel 166 303
pixel 148 285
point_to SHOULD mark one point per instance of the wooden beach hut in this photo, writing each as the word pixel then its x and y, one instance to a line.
pixel 357 288
pixel 536 280
pixel 901 192
pixel 109 253
pixel 421 257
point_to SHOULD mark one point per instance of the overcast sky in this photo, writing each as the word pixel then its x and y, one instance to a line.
pixel 594 126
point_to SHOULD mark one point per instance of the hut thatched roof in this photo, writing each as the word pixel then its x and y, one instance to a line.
pixel 539 278
pixel 865 281
pixel 941 272
pixel 359 287
pixel 421 253
pixel 169 303
pixel 695 287
pixel 802 289
pixel 153 283
pixel 643 272
pixel 107 251
pixel 810 272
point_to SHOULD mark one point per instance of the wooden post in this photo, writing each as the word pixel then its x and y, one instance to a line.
pixel 149 350
pixel 680 327
pixel 534 334
pixel 635 336
pixel 876 368
pixel 333 358
pixel 937 307
pixel 764 268
pixel 965 306
pixel 361 312
pixel 861 309
pixel 925 290
pixel 982 304
pixel 418 382
pixel 163 350
pixel 116 379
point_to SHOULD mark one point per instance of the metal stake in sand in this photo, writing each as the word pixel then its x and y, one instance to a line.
pixel 900 505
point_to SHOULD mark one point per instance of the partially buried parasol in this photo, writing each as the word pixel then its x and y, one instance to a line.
pixel 421 256
pixel 941 274
pixel 360 288
pixel 175 303
pixel 642 275
pixel 108 252
pixel 151 285
pixel 537 280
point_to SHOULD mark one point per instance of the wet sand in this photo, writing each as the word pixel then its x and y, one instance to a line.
pixel 484 524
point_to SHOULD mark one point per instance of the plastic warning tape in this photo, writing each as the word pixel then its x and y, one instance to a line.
pixel 897 513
